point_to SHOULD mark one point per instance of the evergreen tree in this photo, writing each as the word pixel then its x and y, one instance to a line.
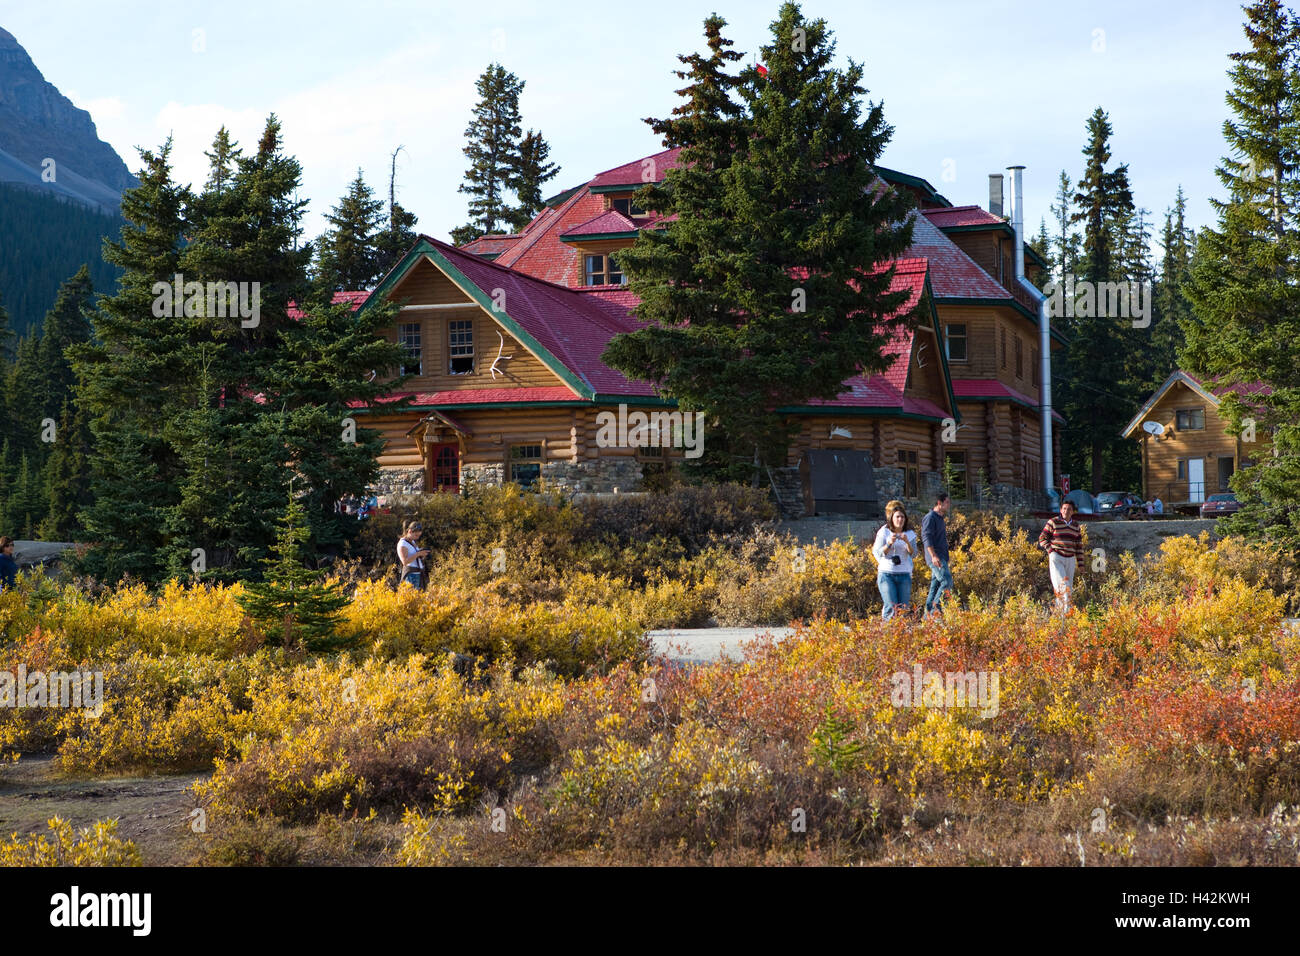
pixel 1042 244
pixel 1172 310
pixel 781 298
pixel 1244 285
pixel 65 325
pixel 67 478
pixel 296 608
pixel 8 340
pixel 128 376
pixel 1098 387
pixel 1067 240
pixel 492 146
pixel 398 234
pixel 347 256
pixel 531 173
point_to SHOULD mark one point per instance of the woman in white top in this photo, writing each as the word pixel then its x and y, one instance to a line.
pixel 894 549
pixel 411 554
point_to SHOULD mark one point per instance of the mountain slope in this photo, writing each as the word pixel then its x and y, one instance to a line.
pixel 38 123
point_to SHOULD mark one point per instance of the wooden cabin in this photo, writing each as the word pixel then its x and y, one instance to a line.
pixel 505 336
pixel 1195 453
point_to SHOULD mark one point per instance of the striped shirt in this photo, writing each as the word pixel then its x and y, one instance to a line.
pixel 1063 537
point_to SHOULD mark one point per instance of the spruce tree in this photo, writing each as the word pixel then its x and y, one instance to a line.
pixel 1067 240
pixel 67 478
pixel 347 256
pixel 770 287
pixel 492 146
pixel 65 325
pixel 295 607
pixel 1172 310
pixel 1098 388
pixel 532 172
pixel 1244 285
pixel 129 375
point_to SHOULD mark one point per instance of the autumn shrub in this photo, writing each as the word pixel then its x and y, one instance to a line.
pixel 95 845
pixel 333 737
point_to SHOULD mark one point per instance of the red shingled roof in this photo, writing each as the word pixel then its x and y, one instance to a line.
pixel 635 172
pixel 573 326
pixel 356 298
pixel 962 216
pixel 611 221
pixel 991 388
pixel 483 396
pixel 953 274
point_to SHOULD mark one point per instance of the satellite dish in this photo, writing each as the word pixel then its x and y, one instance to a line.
pixel 1153 428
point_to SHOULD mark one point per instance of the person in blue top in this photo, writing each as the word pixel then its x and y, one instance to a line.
pixel 8 566
pixel 934 538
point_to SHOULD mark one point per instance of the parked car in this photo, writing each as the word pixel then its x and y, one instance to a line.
pixel 1216 505
pixel 1120 504
pixel 1084 503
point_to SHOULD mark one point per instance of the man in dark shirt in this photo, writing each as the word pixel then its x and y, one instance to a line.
pixel 934 538
pixel 8 566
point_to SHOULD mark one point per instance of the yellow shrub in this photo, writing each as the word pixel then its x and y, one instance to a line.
pixel 96 845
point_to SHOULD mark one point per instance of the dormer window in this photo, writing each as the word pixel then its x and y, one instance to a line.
pixel 601 270
pixel 627 207
pixel 460 346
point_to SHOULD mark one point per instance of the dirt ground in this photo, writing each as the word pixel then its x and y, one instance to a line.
pixel 152 811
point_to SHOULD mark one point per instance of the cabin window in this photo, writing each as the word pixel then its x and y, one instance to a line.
pixel 525 464
pixel 627 207
pixel 460 346
pixel 1004 348
pixel 1020 358
pixel 1182 469
pixel 408 335
pixel 1187 419
pixel 910 463
pixel 1034 370
pixel 956 343
pixel 601 270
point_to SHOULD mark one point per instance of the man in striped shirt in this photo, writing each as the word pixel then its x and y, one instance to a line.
pixel 1062 539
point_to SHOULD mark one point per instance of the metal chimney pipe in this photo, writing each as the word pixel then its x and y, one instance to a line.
pixel 1044 324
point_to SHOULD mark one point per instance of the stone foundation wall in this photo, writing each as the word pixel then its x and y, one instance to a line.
pixel 492 475
pixel 889 484
pixel 600 475
pixel 399 481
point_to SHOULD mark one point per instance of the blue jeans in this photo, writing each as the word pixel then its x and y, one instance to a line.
pixel 412 578
pixel 895 589
pixel 940 581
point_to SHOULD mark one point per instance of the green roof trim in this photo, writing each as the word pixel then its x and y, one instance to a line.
pixel 928 294
pixel 426 250
pixel 623 187
pixel 906 179
pixel 600 237
pixel 560 198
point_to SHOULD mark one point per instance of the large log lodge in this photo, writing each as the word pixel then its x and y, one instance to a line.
pixel 504 337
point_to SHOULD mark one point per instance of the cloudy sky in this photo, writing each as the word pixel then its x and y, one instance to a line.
pixel 970 86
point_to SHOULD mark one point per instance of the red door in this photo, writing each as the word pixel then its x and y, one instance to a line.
pixel 446 468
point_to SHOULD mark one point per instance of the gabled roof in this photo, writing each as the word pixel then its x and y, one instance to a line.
pixel 927 192
pixel 565 329
pixel 1212 391
pixel 883 392
pixel 607 223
